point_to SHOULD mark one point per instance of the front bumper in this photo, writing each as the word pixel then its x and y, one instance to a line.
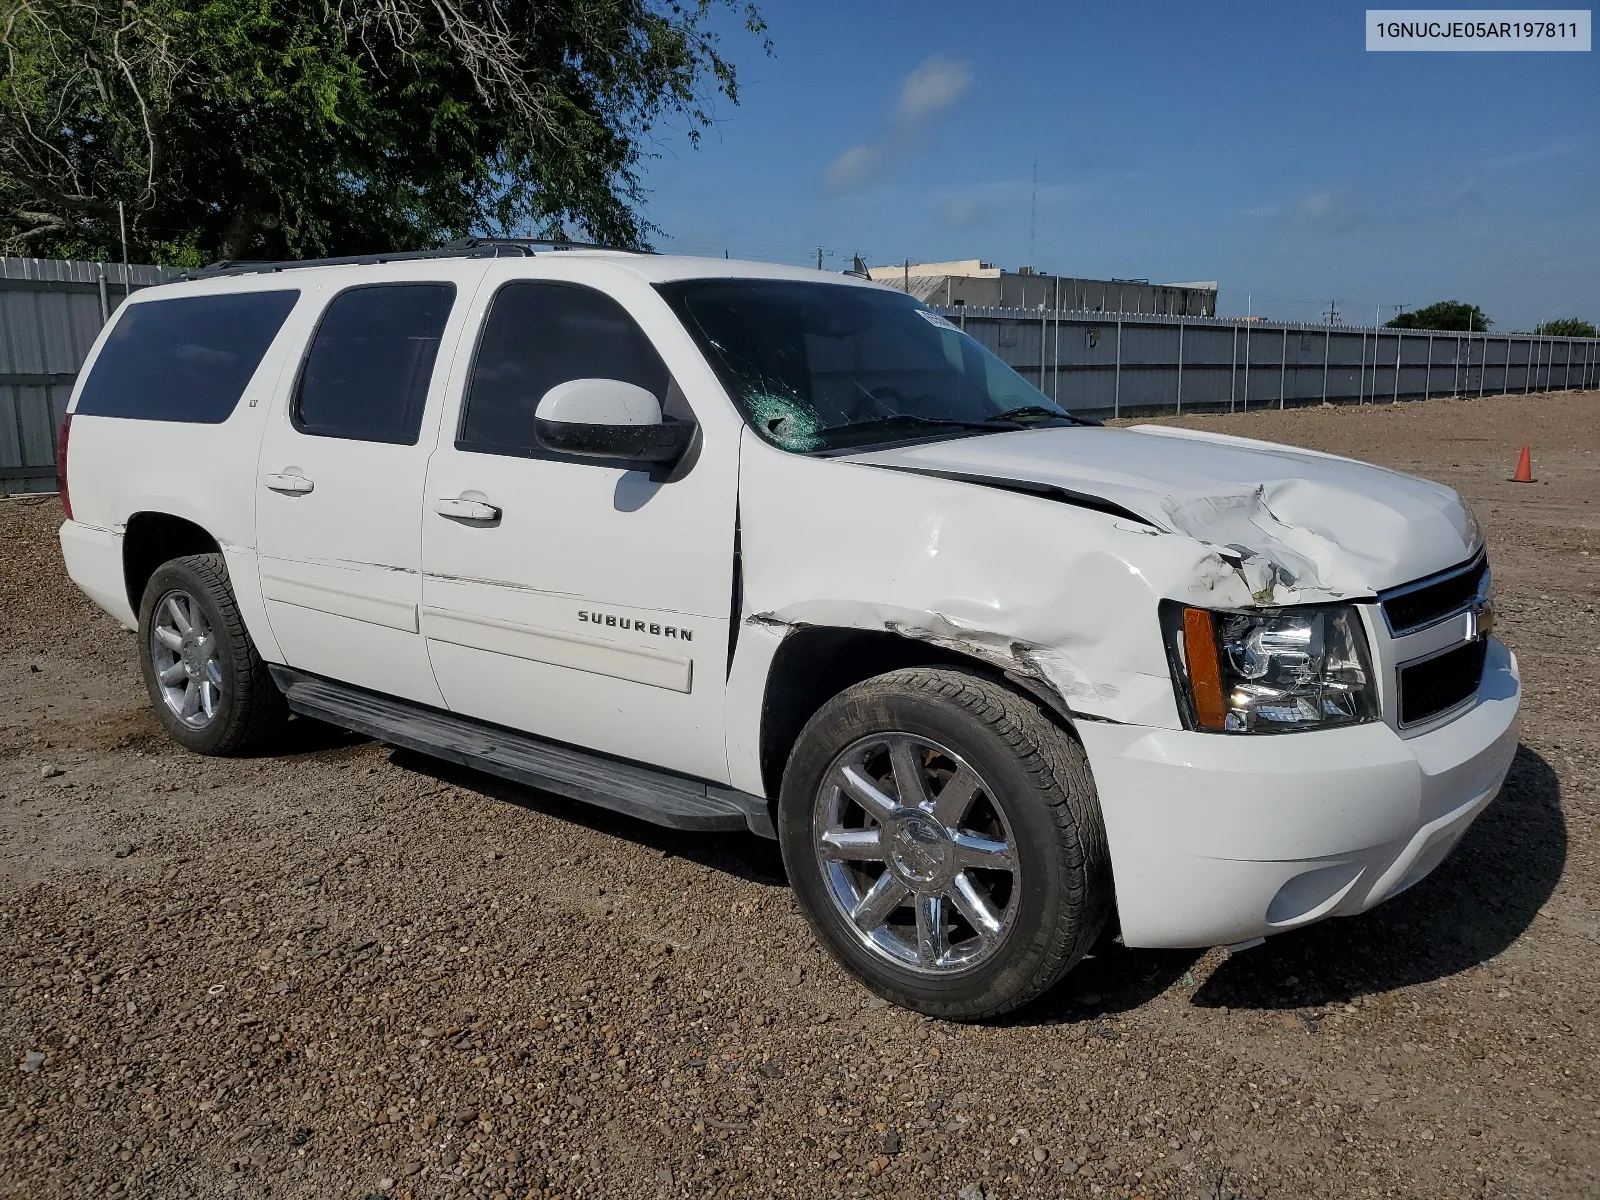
pixel 1217 839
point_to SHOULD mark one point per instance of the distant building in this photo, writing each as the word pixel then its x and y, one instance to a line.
pixel 979 284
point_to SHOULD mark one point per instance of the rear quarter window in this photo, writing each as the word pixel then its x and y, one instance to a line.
pixel 185 359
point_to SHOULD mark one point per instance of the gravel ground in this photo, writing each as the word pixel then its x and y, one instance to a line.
pixel 346 971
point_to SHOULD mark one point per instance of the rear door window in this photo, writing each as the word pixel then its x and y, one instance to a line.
pixel 366 375
pixel 185 359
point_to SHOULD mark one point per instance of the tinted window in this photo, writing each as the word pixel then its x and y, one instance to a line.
pixel 366 375
pixel 538 335
pixel 187 359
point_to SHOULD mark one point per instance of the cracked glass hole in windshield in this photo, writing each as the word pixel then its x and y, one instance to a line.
pixel 785 421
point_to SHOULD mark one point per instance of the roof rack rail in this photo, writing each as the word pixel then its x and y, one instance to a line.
pixel 467 247
pixel 544 243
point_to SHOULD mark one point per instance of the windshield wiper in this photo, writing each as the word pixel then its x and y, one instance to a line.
pixel 907 419
pixel 1024 412
pixel 1010 421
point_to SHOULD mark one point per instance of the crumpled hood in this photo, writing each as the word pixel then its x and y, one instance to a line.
pixel 1305 526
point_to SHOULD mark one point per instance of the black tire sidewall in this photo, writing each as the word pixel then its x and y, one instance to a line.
pixel 179 575
pixel 1041 846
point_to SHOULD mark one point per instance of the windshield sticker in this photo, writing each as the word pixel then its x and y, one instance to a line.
pixel 791 424
pixel 934 319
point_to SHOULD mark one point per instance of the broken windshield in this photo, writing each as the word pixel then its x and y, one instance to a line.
pixel 823 366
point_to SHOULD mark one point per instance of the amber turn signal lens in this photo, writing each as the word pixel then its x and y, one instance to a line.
pixel 1205 673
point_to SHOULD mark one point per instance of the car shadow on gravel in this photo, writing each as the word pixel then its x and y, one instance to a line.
pixel 306 736
pixel 1475 905
pixel 1114 979
pixel 742 855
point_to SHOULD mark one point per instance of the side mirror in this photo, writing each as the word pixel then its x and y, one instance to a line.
pixel 607 418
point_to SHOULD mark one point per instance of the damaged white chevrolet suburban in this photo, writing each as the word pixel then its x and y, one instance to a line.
pixel 724 545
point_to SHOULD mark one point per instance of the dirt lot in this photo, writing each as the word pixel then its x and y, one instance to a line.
pixel 346 971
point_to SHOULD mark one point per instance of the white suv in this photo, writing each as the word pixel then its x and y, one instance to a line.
pixel 724 545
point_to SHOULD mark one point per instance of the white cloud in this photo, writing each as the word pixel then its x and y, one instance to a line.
pixel 963 212
pixel 1332 209
pixel 1318 206
pixel 1559 148
pixel 852 168
pixel 936 84
pixel 1008 193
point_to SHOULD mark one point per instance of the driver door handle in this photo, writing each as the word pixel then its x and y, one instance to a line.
pixel 294 485
pixel 466 510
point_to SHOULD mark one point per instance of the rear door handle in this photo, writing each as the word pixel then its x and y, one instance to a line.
pixel 466 510
pixel 293 485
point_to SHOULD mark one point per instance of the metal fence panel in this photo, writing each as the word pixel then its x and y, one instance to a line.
pixel 1125 364
pixel 1093 362
pixel 50 314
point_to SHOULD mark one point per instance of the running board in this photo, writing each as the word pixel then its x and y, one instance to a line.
pixel 638 791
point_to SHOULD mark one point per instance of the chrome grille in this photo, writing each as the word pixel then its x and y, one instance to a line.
pixel 1414 606
pixel 1437 684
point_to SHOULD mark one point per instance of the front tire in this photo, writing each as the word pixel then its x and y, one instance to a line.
pixel 208 685
pixel 945 842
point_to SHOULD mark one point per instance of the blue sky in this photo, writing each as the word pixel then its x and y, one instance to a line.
pixel 1259 145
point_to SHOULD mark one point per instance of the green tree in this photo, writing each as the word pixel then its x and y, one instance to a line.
pixel 291 128
pixel 1450 315
pixel 1567 327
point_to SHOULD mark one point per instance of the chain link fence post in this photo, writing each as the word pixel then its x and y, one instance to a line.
pixel 1399 341
pixel 1327 345
pixel 1283 367
pixel 1116 398
pixel 1233 373
pixel 1180 366
pixel 1245 407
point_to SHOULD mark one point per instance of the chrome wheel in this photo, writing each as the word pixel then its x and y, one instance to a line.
pixel 183 650
pixel 916 854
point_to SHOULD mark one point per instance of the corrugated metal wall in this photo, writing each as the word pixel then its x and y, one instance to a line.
pixel 1010 290
pixel 1092 362
pixel 1097 363
pixel 50 313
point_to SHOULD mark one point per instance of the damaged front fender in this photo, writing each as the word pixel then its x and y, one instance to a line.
pixel 1300 527
pixel 1050 593
pixel 1047 552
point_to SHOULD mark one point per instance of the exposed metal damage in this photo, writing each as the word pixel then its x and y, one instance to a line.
pixel 1316 528
pixel 1052 566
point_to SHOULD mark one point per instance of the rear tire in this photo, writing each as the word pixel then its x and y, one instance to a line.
pixel 208 685
pixel 945 842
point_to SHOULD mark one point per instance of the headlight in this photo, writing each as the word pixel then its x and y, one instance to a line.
pixel 1272 671
pixel 1471 531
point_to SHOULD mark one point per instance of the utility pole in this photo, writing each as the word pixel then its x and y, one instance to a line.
pixel 907 276
pixel 819 258
pixel 1033 210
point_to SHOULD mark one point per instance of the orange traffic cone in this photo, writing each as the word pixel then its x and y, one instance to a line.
pixel 1524 472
